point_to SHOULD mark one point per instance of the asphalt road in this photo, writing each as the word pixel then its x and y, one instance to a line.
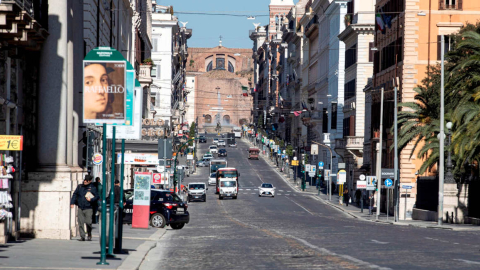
pixel 297 231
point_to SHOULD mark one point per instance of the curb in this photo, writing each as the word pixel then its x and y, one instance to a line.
pixel 135 259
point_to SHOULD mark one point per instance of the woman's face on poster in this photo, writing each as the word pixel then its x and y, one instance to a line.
pixel 96 83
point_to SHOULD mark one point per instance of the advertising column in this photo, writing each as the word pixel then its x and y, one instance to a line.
pixel 141 200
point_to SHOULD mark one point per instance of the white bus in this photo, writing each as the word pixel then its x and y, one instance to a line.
pixel 237 131
pixel 216 164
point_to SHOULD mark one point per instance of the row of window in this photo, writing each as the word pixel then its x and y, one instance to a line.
pixel 208 119
pixel 220 65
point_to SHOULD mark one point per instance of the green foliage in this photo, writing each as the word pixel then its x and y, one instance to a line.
pixel 260 120
pixel 289 150
pixel 192 133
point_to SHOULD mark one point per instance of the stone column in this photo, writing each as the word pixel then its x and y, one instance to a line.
pixel 49 188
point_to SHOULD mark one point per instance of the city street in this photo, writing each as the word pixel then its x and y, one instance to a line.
pixel 297 231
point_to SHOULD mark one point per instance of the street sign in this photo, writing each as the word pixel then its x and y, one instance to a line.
pixel 294 158
pixel 361 184
pixel 388 173
pixel 341 165
pixel 294 162
pixel 190 156
pixel 311 174
pixel 320 165
pixel 314 149
pixel 407 187
pixel 362 177
pixel 371 182
pixel 388 183
pixel 342 177
pixel 307 167
pixel 313 169
pixel 327 175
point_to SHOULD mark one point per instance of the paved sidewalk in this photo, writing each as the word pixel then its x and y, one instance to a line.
pixel 355 211
pixel 73 254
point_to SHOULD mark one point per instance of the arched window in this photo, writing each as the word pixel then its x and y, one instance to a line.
pixel 210 67
pixel 230 67
pixel 226 120
pixel 208 119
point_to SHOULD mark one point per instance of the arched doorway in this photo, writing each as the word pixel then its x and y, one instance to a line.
pixel 226 120
pixel 208 119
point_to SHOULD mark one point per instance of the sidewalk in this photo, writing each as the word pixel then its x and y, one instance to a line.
pixel 355 211
pixel 73 254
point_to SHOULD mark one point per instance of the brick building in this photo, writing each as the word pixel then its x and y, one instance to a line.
pixel 216 76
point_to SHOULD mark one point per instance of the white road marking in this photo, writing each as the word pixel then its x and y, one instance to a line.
pixel 302 207
pixel 240 189
pixel 467 261
pixel 289 191
pixel 256 189
pixel 287 194
pixel 379 242
pixel 248 189
pixel 281 190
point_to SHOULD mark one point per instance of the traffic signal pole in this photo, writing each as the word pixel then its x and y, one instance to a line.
pixel 103 234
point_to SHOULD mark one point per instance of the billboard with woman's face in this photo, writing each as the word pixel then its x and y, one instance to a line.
pixel 104 90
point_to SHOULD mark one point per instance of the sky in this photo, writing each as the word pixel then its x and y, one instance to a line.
pixel 208 28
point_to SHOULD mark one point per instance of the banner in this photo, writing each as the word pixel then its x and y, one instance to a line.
pixel 141 200
pixel 104 90
pixel 139 159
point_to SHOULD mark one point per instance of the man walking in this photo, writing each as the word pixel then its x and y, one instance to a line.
pixel 116 194
pixel 84 196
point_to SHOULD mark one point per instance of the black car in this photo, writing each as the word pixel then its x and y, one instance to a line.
pixel 202 139
pixel 166 208
pixel 222 152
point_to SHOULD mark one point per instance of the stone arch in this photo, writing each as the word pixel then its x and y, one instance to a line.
pixel 208 63
pixel 226 119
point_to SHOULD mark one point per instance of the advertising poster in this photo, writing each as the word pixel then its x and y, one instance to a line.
pixel 141 200
pixel 134 131
pixel 160 178
pixel 139 159
pixel 104 92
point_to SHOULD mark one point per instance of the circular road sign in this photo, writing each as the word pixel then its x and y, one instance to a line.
pixel 388 182
pixel 362 177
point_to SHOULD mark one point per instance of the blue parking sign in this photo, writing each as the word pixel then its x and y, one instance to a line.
pixel 320 164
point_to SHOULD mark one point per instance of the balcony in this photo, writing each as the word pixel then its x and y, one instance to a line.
pixel 144 75
pixel 20 24
pixel 352 144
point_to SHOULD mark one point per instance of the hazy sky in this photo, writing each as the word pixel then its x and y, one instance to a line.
pixel 208 28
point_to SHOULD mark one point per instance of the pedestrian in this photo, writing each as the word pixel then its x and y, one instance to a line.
pixel 84 196
pixel 98 185
pixel 346 196
pixel 116 194
pixel 358 194
pixel 371 203
pixel 333 188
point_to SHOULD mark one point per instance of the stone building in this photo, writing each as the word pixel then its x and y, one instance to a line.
pixel 216 77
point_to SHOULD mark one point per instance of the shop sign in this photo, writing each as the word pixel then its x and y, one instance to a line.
pixel 139 159
pixel 97 159
pixel 11 142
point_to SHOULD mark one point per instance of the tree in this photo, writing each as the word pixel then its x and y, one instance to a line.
pixel 192 132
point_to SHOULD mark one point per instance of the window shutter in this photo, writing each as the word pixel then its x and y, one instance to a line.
pixel 460 4
pixel 352 125
pixel 441 4
pixel 370 52
pixel 439 47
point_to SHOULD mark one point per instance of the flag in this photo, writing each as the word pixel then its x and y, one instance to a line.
pixel 304 106
pixel 387 19
pixel 380 23
pixel 281 99
pixel 297 113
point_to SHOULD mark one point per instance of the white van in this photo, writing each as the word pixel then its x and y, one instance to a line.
pixel 228 188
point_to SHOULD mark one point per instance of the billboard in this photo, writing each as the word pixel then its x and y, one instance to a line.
pixel 134 131
pixel 138 158
pixel 104 91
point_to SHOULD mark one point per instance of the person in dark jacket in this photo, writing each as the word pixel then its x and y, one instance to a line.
pixel 116 194
pixel 99 187
pixel 84 197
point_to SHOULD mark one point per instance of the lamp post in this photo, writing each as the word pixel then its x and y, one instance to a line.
pixel 331 167
pixel 449 175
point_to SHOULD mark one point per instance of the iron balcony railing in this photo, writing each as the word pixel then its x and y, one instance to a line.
pixel 26 5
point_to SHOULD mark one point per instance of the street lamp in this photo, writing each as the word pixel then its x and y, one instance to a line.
pixel 449 175
pixel 331 169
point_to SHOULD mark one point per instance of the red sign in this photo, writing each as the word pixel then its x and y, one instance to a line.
pixel 141 200
pixel 157 178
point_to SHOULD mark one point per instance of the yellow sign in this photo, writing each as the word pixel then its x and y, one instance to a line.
pixel 294 162
pixel 11 143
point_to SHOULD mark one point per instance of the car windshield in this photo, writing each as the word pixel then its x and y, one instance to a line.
pixel 227 174
pixel 213 147
pixel 228 184
pixel 215 139
pixel 196 186
pixel 221 141
pixel 222 150
pixel 267 186
pixel 213 175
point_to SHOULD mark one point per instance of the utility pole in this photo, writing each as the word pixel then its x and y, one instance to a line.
pixel 442 137
pixel 379 157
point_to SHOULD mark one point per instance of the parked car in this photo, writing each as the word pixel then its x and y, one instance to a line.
pixel 222 152
pixel 221 143
pixel 197 191
pixel 233 145
pixel 202 139
pixel 213 149
pixel 212 180
pixel 215 140
pixel 166 208
pixel 266 189
pixel 208 156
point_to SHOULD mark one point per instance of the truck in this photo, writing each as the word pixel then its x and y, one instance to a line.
pixel 226 173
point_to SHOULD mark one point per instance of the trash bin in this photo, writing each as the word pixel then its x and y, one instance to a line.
pixel 107 224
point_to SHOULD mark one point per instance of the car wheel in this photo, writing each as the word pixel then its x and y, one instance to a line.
pixel 273 196
pixel 220 197
pixel 259 195
pixel 177 226
pixel 235 197
pixel 157 220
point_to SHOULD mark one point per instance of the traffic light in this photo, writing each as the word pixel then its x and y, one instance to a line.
pixel 87 150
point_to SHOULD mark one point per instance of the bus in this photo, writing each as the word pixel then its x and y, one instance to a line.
pixel 216 164
pixel 237 131
pixel 226 173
